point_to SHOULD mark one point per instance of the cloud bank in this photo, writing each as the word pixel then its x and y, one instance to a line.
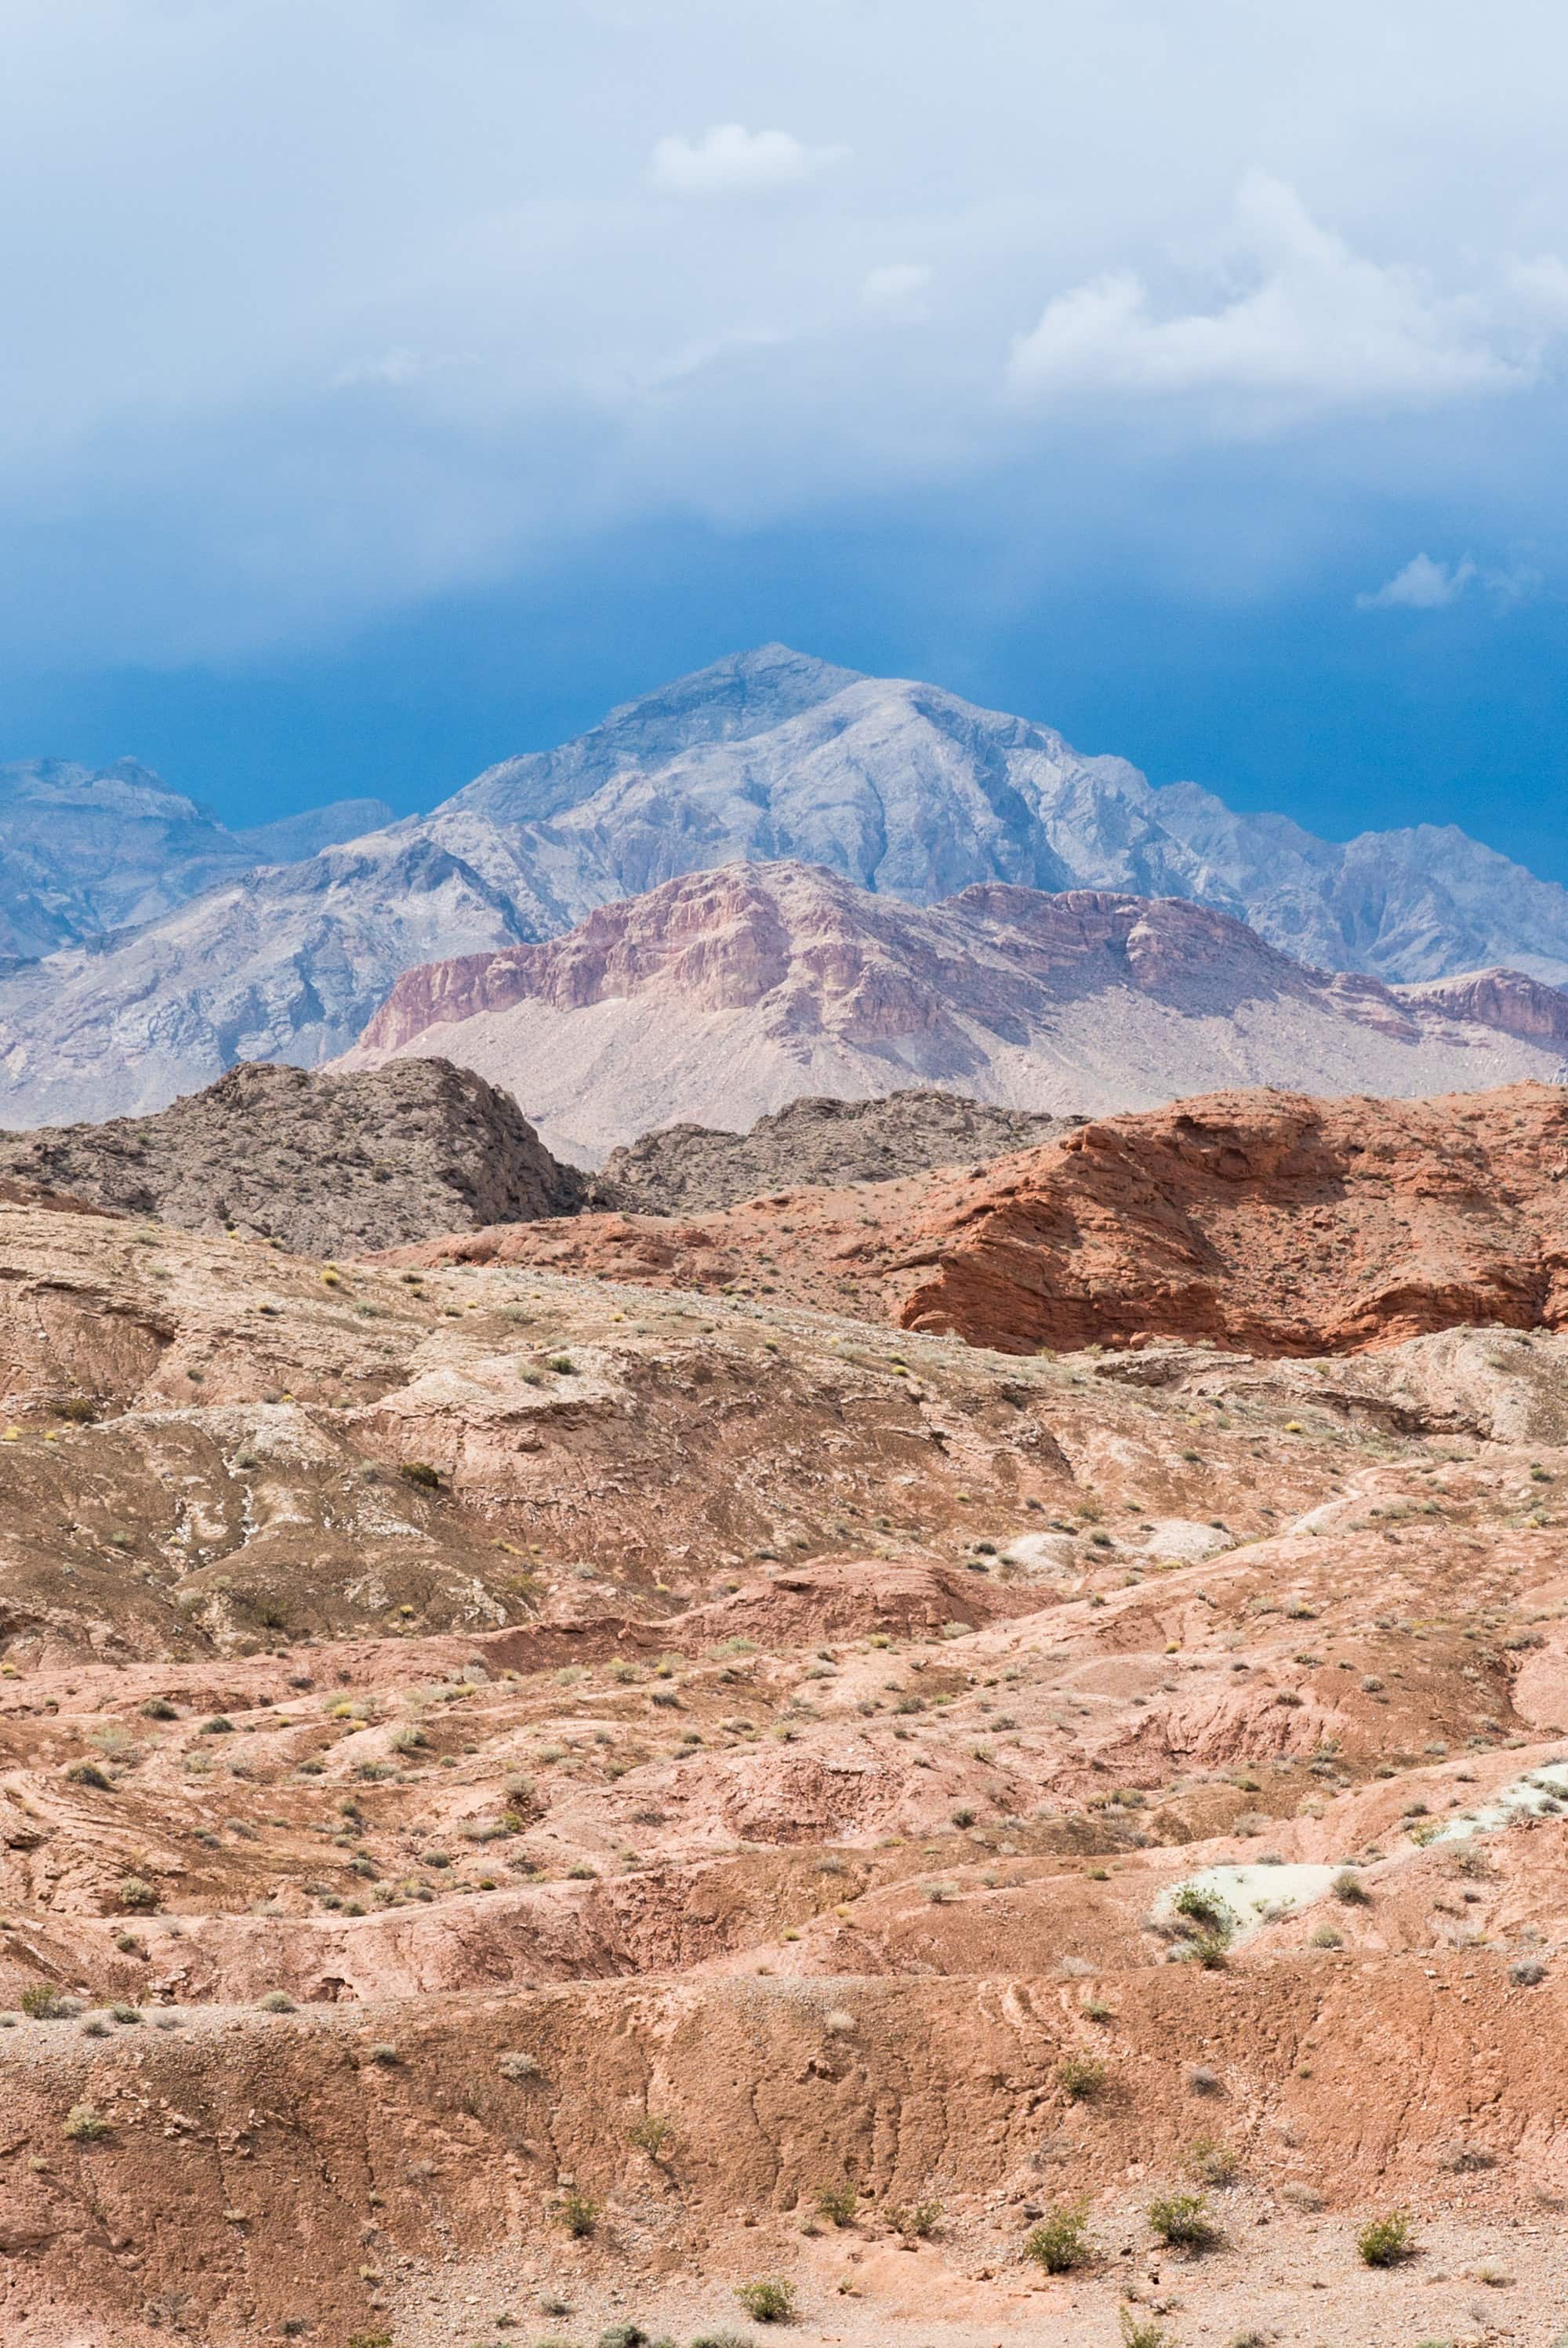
pixel 319 309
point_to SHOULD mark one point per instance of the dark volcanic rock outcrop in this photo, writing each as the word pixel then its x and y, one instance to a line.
pixel 689 1168
pixel 327 1164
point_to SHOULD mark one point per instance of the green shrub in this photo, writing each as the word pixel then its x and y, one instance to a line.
pixel 1206 1909
pixel 1081 2078
pixel 916 2221
pixel 420 1472
pixel 767 2302
pixel 839 2203
pixel 577 2214
pixel 84 2124
pixel 1183 2220
pixel 42 2002
pixel 1385 2241
pixel 1058 2243
pixel 651 2134
pixel 158 1707
pixel 135 1893
pixel 87 1773
pixel 1135 2333
pixel 1350 1888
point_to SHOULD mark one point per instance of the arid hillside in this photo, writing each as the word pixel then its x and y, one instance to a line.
pixel 548 1808
pixel 1267 1222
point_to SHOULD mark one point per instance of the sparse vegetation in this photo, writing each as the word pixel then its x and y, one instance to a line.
pixel 577 2213
pixel 84 2124
pixel 1058 2243
pixel 767 2301
pixel 1183 2220
pixel 1386 2241
pixel 1081 2077
pixel 838 2203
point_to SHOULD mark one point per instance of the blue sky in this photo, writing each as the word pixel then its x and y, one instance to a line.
pixel 391 385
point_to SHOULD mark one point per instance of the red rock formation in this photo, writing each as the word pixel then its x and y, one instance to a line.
pixel 1264 1221
pixel 1267 1222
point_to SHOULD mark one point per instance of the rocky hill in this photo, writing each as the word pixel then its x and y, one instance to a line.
pixel 324 1165
pixel 685 1168
pixel 532 1800
pixel 1262 1221
pixel 722 996
pixel 897 786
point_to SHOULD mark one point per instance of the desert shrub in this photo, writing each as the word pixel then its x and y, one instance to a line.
pixel 562 1364
pixel 1183 2220
pixel 768 2300
pixel 1350 1888
pixel 722 2340
pixel 916 2221
pixel 939 1894
pixel 124 2013
pixel 1136 2333
pixel 1324 1936
pixel 78 1408
pixel 135 1893
pixel 577 2214
pixel 277 2001
pixel 1385 2241
pixel 42 2002
pixel 651 2134
pixel 1208 1950
pixel 963 1818
pixel 625 2335
pixel 1081 2078
pixel 1213 2163
pixel 1206 1909
pixel 87 1773
pixel 158 1707
pixel 838 2203
pixel 518 2067
pixel 387 2055
pixel 1525 1972
pixel 420 1472
pixel 84 2124
pixel 1058 2243
pixel 219 1726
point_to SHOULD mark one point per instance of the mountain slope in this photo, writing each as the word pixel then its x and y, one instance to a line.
pixel 82 852
pixel 899 787
pixel 720 997
pixel 286 963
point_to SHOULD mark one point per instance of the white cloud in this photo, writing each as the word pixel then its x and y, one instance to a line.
pixel 898 289
pixel 732 160
pixel 1422 585
pixel 1317 330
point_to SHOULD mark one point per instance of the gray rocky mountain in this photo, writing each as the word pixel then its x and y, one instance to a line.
pixel 83 852
pixel 899 787
pixel 721 997
pixel 325 1164
pixel 686 1170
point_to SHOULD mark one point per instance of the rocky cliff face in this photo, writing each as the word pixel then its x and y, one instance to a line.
pixel 721 997
pixel 323 1164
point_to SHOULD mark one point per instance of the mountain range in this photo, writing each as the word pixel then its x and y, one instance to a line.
pixel 151 948
pixel 720 997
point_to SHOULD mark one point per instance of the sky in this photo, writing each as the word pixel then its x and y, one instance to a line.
pixel 390 386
